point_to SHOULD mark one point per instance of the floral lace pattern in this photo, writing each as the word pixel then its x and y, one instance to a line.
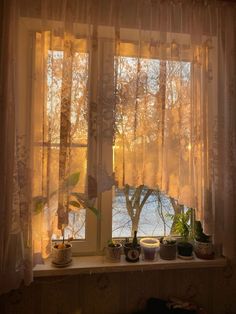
pixel 155 82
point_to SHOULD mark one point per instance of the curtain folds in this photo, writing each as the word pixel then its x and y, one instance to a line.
pixel 15 213
pixel 97 93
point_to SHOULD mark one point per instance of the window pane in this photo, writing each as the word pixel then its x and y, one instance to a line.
pixel 154 219
pixel 76 226
pixel 144 87
pixel 70 73
pixel 78 96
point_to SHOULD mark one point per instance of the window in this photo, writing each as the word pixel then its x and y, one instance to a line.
pixel 148 84
pixel 151 89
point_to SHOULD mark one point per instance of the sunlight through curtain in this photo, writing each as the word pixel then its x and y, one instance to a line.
pixel 102 93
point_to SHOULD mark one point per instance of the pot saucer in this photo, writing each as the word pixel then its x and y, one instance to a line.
pixel 62 265
pixel 185 257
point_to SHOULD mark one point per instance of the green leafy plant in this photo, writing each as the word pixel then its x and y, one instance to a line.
pixel 80 199
pixel 112 243
pixel 168 240
pixel 183 224
pixel 82 202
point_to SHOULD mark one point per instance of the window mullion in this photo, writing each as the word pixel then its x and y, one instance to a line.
pixel 65 127
pixel 106 145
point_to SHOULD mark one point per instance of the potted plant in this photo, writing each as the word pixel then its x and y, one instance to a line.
pixel 203 246
pixel 132 249
pixel 62 252
pixel 149 247
pixel 168 248
pixel 183 227
pixel 113 251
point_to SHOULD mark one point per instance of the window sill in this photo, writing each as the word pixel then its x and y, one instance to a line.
pixel 98 264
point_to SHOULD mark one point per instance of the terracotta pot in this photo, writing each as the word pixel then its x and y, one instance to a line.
pixel 113 253
pixel 168 251
pixel 62 256
pixel 203 250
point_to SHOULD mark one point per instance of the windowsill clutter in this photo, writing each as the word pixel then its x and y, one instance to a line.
pixel 99 264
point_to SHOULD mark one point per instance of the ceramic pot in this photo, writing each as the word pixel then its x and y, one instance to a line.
pixel 113 253
pixel 62 256
pixel 168 251
pixel 185 250
pixel 203 250
pixel 132 253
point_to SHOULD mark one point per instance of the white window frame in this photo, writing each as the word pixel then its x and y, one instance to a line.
pixel 131 36
pixel 98 231
pixel 26 32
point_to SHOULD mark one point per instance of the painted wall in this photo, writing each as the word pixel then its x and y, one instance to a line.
pixel 120 293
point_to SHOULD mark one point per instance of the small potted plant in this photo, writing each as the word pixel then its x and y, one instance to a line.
pixel 203 246
pixel 62 253
pixel 113 251
pixel 168 248
pixel 149 247
pixel 183 227
pixel 132 249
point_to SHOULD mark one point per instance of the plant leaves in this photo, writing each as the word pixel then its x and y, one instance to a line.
pixel 38 204
pixel 75 204
pixel 68 184
pixel 83 202
pixel 93 209
pixel 188 214
pixel 78 196
pixel 182 225
pixel 71 181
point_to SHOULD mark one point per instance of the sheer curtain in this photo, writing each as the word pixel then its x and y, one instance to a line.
pixel 15 213
pixel 160 124
pixel 152 79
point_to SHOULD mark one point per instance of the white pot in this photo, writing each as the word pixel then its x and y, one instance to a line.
pixel 61 256
pixel 113 254
pixel 149 246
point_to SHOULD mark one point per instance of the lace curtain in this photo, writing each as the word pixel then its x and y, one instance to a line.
pixel 152 79
pixel 160 125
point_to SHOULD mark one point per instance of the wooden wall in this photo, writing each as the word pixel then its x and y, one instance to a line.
pixel 120 293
